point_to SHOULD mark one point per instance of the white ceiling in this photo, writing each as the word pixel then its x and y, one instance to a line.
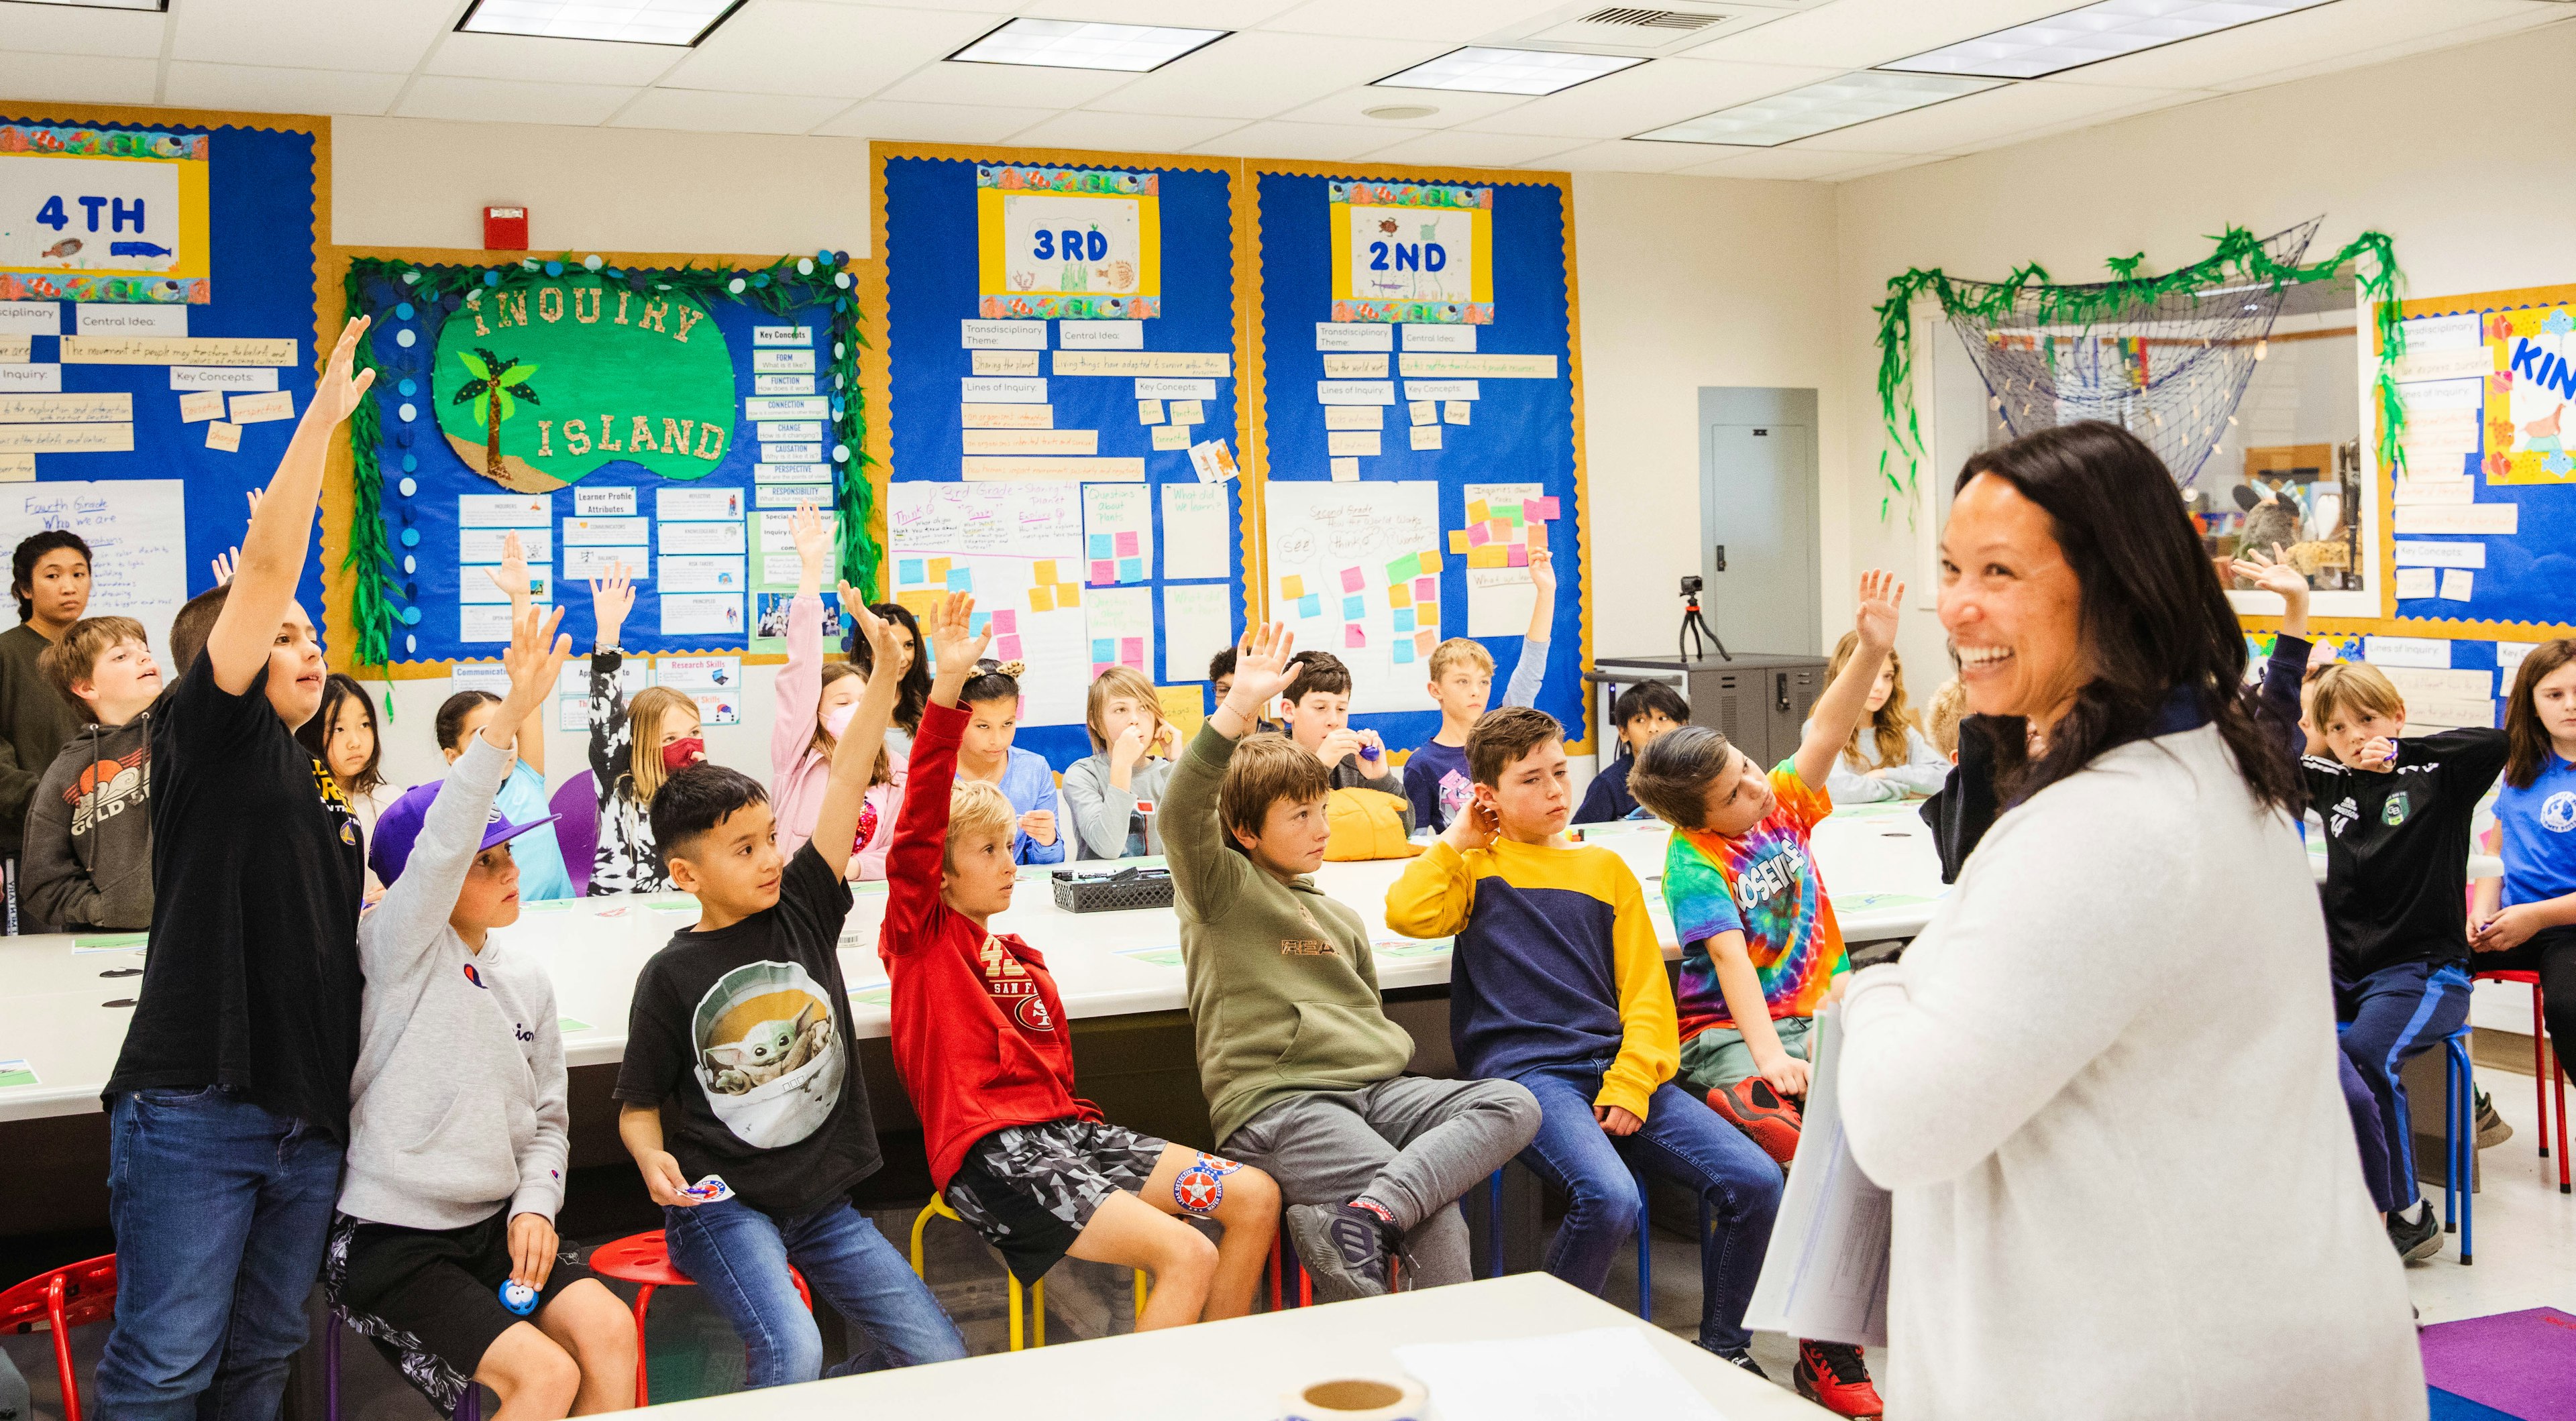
pixel 1292 82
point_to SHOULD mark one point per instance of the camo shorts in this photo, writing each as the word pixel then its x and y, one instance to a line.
pixel 1032 1189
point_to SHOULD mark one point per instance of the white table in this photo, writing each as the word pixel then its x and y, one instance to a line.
pixel 1238 1370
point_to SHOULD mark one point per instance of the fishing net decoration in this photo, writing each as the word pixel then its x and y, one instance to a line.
pixel 2165 357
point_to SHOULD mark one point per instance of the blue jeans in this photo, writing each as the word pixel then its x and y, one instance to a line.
pixel 739 1255
pixel 221 1211
pixel 2385 1020
pixel 1683 1141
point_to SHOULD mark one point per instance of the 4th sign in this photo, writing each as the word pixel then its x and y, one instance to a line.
pixel 103 228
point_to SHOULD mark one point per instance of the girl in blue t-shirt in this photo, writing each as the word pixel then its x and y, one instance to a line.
pixel 2527 922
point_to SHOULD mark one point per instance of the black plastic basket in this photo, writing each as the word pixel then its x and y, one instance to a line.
pixel 1113 892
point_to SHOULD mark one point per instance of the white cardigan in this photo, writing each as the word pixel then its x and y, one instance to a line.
pixel 1923 771
pixel 2102 1086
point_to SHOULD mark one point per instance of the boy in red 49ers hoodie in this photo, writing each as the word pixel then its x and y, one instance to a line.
pixel 983 1047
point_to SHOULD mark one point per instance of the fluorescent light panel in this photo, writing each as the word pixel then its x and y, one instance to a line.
pixel 1819 108
pixel 674 22
pixel 1085 44
pixel 2092 34
pixel 154 6
pixel 1486 70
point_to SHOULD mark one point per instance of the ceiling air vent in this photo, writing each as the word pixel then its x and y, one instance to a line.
pixel 1643 30
pixel 1673 20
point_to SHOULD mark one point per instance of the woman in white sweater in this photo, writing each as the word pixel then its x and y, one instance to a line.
pixel 1887 756
pixel 2102 1083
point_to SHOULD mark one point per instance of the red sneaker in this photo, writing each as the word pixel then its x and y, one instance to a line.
pixel 1761 1112
pixel 1832 1375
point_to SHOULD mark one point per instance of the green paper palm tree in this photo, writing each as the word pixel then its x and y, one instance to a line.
pixel 496 381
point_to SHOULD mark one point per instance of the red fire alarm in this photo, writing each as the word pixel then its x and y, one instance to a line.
pixel 505 229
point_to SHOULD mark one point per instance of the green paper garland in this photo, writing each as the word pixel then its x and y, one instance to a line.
pixel 778 289
pixel 2241 256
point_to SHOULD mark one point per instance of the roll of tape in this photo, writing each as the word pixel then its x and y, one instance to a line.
pixel 1357 1399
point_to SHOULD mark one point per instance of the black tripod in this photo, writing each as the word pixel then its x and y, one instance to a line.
pixel 1695 631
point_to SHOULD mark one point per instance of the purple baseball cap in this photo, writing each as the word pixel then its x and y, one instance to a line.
pixel 398 828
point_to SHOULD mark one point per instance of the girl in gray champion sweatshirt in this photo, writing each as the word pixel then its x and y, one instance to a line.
pixel 457 1106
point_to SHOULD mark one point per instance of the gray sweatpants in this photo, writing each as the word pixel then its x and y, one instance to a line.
pixel 1413 1144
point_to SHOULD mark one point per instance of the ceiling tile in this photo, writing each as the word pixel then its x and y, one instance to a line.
pixel 1914 160
pixel 2165 99
pixel 1184 14
pixel 480 56
pixel 1257 75
pixel 1627 155
pixel 1451 22
pixel 1648 96
pixel 77 79
pixel 1455 106
pixel 847 51
pixel 377 35
pixel 2530 17
pixel 1790 164
pixel 1981 117
pixel 1005 85
pixel 932 123
pixel 1855 34
pixel 1130 132
pixel 265 90
pixel 705 111
pixel 512 101
pixel 2329 36
pixel 1322 142
pixel 66 29
pixel 1482 150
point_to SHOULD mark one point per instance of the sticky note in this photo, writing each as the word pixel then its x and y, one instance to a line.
pixel 1498 530
pixel 1006 647
pixel 1043 571
pixel 1426 614
pixel 1131 651
pixel 1476 511
pixel 1519 553
pixel 1131 569
pixel 1511 513
pixel 1455 411
pixel 1188 412
pixel 908 570
pixel 1430 560
pixel 195 405
pixel 1457 540
pixel 1354 606
pixel 1353 635
pixel 1539 508
pixel 961 579
pixel 1293 586
pixel 1169 437
pixel 1405 568
pixel 1425 412
pixel 1424 641
pixel 226 437
pixel 1006 622
pixel 1104 648
pixel 1149 411
pixel 1346 470
pixel 1404 653
pixel 1127 545
pixel 1103 572
pixel 1352 581
pixel 1310 605
pixel 1100 545
pixel 1490 555
pixel 1537 536
pixel 1477 537
pixel 1400 595
pixel 1426 436
pixel 938 570
pixel 1404 619
pixel 976 623
pixel 2458 584
pixel 1426 589
pixel 1042 598
pixel 1067 594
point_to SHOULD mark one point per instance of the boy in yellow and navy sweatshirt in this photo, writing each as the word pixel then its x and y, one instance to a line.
pixel 1558 983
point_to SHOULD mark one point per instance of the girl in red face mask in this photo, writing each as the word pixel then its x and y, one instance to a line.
pixel 634 747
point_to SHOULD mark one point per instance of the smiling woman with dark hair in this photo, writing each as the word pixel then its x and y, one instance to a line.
pixel 2102 1083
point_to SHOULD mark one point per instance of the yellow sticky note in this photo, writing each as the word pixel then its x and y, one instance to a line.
pixel 1041 598
pixel 1068 594
pixel 1431 560
pixel 1184 707
pixel 1399 595
pixel 1042 572
pixel 1457 542
pixel 1293 586
pixel 1487 556
pixel 938 571
pixel 1476 512
pixel 1426 615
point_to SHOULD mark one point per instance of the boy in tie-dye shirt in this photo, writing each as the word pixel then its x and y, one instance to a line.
pixel 1761 952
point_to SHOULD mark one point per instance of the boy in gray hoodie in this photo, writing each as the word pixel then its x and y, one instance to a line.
pixel 88 856
pixel 444 1252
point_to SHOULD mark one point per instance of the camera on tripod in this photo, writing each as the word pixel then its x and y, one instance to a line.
pixel 1691 585
pixel 1696 632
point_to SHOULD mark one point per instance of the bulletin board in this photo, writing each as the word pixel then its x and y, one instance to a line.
pixel 1419 363
pixel 157 334
pixel 1061 349
pixel 663 414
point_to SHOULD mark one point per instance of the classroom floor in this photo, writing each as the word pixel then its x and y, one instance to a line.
pixel 2526 1258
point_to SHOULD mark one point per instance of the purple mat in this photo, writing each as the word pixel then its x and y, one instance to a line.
pixel 2520 1363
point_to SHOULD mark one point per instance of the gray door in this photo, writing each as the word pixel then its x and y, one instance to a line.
pixel 1758 524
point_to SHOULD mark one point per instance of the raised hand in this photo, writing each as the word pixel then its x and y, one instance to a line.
pixel 512 575
pixel 1542 571
pixel 337 393
pixel 953 641
pixel 1882 600
pixel 812 536
pixel 534 661
pixel 1261 669
pixel 2271 573
pixel 611 598
pixel 880 633
pixel 223 565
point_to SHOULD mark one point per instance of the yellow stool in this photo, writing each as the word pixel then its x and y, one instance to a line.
pixel 938 1208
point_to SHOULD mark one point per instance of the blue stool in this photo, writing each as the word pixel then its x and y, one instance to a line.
pixel 1645 1235
pixel 2459 1143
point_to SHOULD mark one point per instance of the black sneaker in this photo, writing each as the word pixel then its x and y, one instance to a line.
pixel 1345 1249
pixel 2415 1239
pixel 2492 1131
pixel 1742 1357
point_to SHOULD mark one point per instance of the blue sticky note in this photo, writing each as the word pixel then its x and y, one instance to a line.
pixel 908 570
pixel 1354 607
pixel 975 624
pixel 1404 619
pixel 1404 653
pixel 1104 648
pixel 1131 569
pixel 1310 605
pixel 961 579
pixel 1102 546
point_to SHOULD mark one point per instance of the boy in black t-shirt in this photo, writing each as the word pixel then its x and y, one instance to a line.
pixel 229 1103
pixel 740 1064
pixel 2397 817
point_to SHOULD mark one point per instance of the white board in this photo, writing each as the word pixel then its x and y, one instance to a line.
pixel 1336 540
pixel 137 531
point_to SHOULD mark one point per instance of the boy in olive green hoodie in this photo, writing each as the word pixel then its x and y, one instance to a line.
pixel 1304 1074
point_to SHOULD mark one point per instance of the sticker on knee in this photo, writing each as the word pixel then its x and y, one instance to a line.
pixel 1200 1186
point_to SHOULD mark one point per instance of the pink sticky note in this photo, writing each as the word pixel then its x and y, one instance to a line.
pixel 1103 572
pixel 1127 545
pixel 1006 622
pixel 1353 636
pixel 1478 536
pixel 1538 508
pixel 1519 555
pixel 1005 647
pixel 1351 579
pixel 1426 589
pixel 1131 650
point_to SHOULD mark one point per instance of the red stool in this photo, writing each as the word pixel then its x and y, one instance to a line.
pixel 62 1300
pixel 644 1259
pixel 2545 1071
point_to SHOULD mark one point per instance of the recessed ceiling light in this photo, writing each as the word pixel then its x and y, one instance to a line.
pixel 1818 108
pixel 1486 70
pixel 1394 111
pixel 155 6
pixel 2091 34
pixel 1085 44
pixel 677 22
